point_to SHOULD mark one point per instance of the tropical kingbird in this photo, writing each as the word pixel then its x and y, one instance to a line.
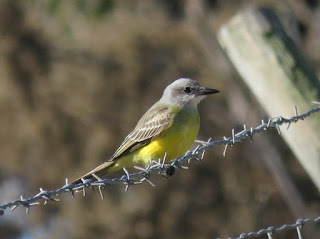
pixel 169 127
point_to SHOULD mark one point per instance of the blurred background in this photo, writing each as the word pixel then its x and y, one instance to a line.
pixel 75 76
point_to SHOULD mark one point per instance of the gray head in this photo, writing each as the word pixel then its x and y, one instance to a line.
pixel 185 92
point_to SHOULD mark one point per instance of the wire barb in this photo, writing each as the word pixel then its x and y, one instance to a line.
pixel 101 192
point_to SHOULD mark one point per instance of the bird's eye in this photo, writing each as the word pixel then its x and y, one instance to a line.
pixel 187 90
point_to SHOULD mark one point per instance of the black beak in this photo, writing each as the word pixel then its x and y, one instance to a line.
pixel 207 91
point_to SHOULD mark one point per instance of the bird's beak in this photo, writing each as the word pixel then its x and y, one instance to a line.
pixel 206 91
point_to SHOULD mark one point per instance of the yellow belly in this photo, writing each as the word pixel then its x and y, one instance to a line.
pixel 174 141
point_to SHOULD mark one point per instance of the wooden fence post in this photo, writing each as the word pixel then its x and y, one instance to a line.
pixel 277 74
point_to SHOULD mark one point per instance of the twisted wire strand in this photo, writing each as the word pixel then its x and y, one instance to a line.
pixel 271 230
pixel 160 167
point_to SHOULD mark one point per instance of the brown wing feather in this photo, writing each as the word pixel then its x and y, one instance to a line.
pixel 149 127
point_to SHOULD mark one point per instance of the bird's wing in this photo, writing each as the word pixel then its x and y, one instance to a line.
pixel 150 126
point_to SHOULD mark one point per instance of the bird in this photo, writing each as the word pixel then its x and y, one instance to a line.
pixel 169 128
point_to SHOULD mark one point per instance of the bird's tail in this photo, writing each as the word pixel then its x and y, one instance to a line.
pixel 100 171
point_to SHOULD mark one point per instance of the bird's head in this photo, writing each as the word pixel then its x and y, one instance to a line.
pixel 186 92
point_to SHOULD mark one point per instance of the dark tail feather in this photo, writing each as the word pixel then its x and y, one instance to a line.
pixel 100 171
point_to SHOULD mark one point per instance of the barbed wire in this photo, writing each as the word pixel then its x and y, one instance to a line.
pixel 160 167
pixel 271 230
